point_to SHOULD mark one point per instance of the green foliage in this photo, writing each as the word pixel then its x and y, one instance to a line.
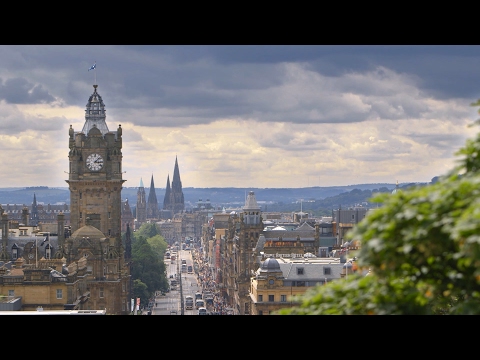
pixel 158 245
pixel 148 266
pixel 422 247
pixel 140 290
pixel 147 230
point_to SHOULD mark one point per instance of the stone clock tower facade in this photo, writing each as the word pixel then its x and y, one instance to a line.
pixel 95 183
pixel 95 172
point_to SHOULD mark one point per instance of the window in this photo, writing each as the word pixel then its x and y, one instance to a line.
pixel 260 312
pixel 59 294
pixel 327 271
pixel 283 298
pixel 100 292
pixel 260 298
pixel 11 292
pixel 271 298
pixel 80 195
pixel 80 215
pixel 299 271
pixel 109 232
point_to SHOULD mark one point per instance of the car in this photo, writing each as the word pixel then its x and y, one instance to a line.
pixel 173 312
pixel 202 311
pixel 199 303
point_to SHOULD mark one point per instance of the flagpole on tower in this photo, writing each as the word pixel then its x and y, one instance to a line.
pixel 94 68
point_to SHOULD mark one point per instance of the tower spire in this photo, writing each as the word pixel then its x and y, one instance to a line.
pixel 152 202
pixel 177 201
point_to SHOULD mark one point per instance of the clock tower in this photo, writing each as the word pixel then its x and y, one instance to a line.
pixel 95 172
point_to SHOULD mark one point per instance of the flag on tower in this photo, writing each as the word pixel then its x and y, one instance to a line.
pixel 93 67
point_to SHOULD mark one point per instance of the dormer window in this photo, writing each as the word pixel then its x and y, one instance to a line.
pixel 300 271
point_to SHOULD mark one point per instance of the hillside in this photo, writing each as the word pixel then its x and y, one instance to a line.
pixel 229 197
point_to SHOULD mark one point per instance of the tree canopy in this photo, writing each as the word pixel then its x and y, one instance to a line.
pixel 148 266
pixel 421 247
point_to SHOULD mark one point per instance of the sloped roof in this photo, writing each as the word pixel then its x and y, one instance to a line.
pixel 305 227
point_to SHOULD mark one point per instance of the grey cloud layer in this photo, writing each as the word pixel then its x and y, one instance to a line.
pixel 351 105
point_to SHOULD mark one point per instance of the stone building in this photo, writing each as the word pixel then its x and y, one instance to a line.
pixel 88 255
pixel 278 280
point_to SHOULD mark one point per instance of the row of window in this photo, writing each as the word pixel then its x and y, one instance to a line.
pixel 326 270
pixel 271 298
pixel 11 293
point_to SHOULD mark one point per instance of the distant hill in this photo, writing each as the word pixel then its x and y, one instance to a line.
pixel 228 197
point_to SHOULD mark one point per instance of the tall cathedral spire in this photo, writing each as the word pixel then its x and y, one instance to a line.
pixel 176 201
pixel 34 214
pixel 166 199
pixel 152 203
pixel 141 209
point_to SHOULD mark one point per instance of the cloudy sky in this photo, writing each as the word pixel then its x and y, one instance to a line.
pixel 260 116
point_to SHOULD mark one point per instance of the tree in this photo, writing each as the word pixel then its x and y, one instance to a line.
pixel 158 245
pixel 422 247
pixel 147 266
pixel 148 230
pixel 140 290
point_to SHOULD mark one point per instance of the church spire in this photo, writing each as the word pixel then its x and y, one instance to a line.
pixel 141 209
pixel 152 202
pixel 166 199
pixel 177 201
pixel 34 213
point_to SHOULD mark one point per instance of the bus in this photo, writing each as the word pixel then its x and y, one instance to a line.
pixel 188 302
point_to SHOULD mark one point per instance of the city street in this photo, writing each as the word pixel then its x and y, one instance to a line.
pixel 170 303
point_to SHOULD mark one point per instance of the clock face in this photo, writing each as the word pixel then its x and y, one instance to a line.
pixel 94 162
pixel 30 256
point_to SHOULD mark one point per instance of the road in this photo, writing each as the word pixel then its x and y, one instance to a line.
pixel 171 301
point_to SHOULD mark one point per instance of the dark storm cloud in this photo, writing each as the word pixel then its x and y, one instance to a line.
pixel 200 76
pixel 21 91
